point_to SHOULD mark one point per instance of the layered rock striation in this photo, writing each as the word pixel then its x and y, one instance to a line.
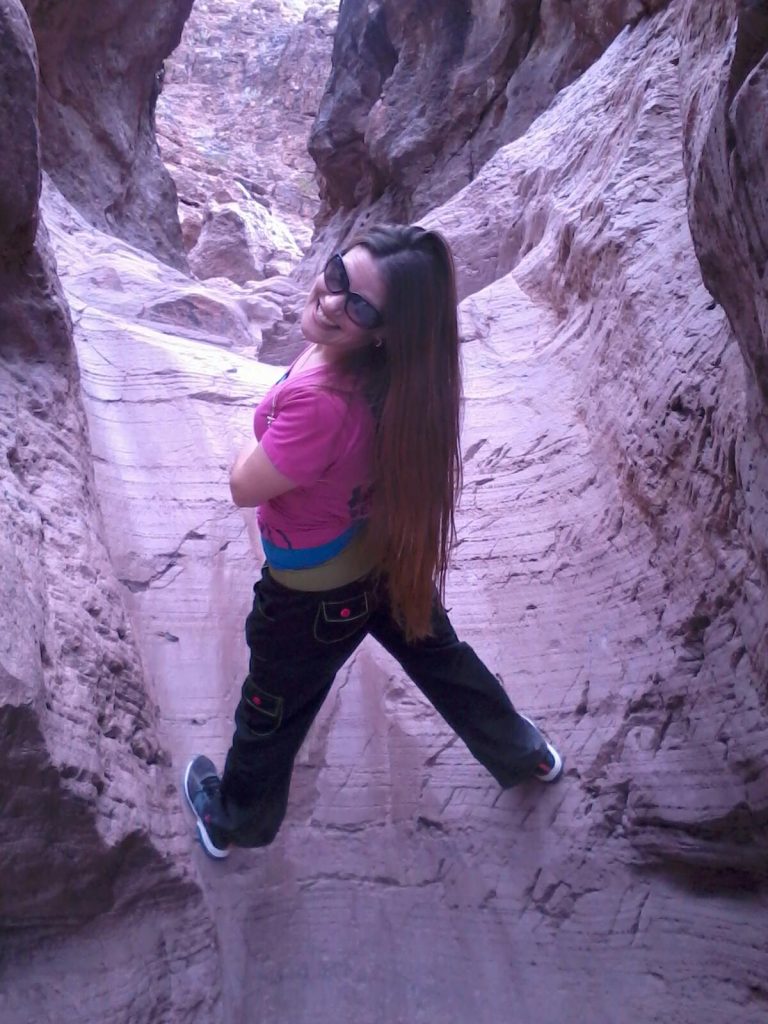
pixel 724 111
pixel 421 95
pixel 87 833
pixel 611 565
pixel 239 96
pixel 100 67
pixel 596 231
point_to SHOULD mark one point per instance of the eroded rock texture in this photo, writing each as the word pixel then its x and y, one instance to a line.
pixel 596 230
pixel 94 882
pixel 421 95
pixel 99 67
pixel 725 113
pixel 612 569
pixel 239 97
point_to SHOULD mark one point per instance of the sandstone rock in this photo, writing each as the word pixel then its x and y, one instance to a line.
pixel 397 133
pixel 239 96
pixel 244 242
pixel 148 293
pixel 724 112
pixel 87 831
pixel 587 251
pixel 611 569
pixel 18 136
pixel 99 66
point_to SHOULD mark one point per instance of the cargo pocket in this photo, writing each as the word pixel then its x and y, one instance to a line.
pixel 263 712
pixel 339 620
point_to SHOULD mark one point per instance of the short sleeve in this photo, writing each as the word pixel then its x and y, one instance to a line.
pixel 301 442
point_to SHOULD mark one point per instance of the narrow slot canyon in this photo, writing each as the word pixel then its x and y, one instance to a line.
pixel 172 177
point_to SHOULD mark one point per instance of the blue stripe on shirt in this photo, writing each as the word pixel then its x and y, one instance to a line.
pixel 307 558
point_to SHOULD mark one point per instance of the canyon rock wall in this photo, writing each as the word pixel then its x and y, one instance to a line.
pixel 100 62
pixel 239 96
pixel 724 110
pixel 421 95
pixel 611 568
pixel 89 844
pixel 596 231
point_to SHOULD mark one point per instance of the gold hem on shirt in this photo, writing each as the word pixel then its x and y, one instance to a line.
pixel 352 563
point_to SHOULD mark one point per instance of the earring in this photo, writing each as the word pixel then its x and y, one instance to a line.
pixel 378 343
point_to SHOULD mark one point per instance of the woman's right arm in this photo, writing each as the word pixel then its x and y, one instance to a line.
pixel 253 479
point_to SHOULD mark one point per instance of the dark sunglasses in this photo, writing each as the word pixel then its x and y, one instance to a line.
pixel 358 309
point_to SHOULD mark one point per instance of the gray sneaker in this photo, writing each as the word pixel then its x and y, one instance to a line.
pixel 201 783
pixel 550 767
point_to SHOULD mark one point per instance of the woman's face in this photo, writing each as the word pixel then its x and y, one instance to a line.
pixel 325 320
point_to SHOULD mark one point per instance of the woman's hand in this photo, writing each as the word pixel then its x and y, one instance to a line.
pixel 253 479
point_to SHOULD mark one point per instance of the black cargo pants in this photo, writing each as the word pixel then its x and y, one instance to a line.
pixel 298 642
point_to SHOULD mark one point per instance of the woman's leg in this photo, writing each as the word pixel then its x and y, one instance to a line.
pixel 298 642
pixel 467 695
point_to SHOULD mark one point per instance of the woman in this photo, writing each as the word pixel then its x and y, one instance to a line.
pixel 355 469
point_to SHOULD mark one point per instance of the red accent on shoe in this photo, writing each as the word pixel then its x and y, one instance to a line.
pixel 545 767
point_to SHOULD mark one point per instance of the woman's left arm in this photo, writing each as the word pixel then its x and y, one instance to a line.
pixel 254 480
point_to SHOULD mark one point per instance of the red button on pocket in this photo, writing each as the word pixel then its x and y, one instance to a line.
pixel 345 613
pixel 255 700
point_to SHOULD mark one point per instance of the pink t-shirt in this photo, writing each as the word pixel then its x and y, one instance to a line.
pixel 319 432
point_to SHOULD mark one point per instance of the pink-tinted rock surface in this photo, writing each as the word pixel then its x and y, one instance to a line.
pixel 397 131
pixel 97 904
pixel 725 111
pixel 612 569
pixel 595 231
pixel 242 244
pixel 99 66
pixel 238 100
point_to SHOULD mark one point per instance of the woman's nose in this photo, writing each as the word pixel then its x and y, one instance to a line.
pixel 334 302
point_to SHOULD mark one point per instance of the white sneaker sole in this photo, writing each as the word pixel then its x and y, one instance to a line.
pixel 554 773
pixel 202 832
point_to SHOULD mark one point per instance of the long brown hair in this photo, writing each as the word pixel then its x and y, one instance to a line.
pixel 414 384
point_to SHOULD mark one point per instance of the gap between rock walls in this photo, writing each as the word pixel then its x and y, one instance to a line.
pixel 598 174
